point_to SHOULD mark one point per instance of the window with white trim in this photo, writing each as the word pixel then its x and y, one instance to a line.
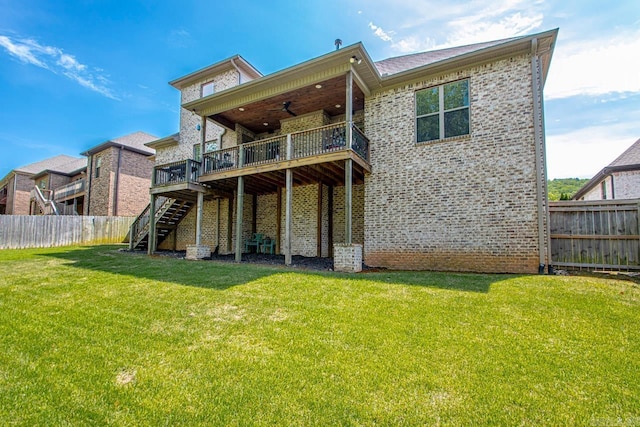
pixel 98 166
pixel 210 146
pixel 207 89
pixel 442 111
pixel 196 152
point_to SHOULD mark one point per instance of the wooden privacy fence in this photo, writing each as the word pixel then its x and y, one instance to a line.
pixel 40 231
pixel 595 234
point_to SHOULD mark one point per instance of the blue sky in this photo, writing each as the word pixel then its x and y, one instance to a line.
pixel 74 74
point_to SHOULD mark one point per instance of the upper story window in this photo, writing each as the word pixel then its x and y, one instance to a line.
pixel 207 89
pixel 98 166
pixel 442 111
pixel 196 152
pixel 210 146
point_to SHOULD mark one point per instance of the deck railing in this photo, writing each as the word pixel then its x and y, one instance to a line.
pixel 264 151
pixel 140 225
pixel 68 190
pixel 307 143
pixel 360 143
pixel 176 172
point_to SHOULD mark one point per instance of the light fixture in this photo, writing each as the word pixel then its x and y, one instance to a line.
pixel 266 124
pixel 198 127
pixel 355 59
pixel 241 108
pixel 318 86
pixel 338 105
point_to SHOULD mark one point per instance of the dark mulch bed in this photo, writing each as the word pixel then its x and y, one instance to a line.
pixel 299 261
pixel 310 263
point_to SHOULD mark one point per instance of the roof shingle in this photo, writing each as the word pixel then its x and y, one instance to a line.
pixel 399 64
pixel 631 156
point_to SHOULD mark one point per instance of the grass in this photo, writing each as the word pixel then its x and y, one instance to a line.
pixel 90 335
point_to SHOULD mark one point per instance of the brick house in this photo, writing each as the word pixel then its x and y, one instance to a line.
pixel 117 183
pixel 119 173
pixel 61 188
pixel 619 180
pixel 434 160
pixel 17 186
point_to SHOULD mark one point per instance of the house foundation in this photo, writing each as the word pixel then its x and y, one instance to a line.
pixel 198 251
pixel 347 258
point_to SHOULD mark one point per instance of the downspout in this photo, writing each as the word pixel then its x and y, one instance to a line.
pixel 538 143
pixel 613 188
pixel 238 70
pixel 87 191
pixel 15 188
pixel 116 183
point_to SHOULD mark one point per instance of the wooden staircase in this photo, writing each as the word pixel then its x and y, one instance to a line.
pixel 168 212
pixel 44 200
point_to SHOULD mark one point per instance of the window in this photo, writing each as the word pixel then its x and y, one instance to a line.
pixel 207 89
pixel 98 165
pixel 442 111
pixel 43 184
pixel 603 189
pixel 196 152
pixel 210 146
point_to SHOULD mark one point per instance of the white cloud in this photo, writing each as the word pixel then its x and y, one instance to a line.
pixel 488 25
pixel 380 33
pixel 55 60
pixel 584 152
pixel 459 24
pixel 595 67
pixel 22 51
pixel 179 38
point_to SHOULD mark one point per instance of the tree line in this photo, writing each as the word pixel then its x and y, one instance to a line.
pixel 564 188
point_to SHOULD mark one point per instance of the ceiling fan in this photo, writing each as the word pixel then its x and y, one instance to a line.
pixel 285 108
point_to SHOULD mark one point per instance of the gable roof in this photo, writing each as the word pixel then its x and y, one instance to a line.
pixel 61 163
pixel 167 141
pixel 398 64
pixel 57 163
pixel 134 142
pixel 70 168
pixel 631 156
pixel 372 76
pixel 629 160
pixel 236 62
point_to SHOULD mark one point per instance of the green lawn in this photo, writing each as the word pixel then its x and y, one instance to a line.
pixel 91 335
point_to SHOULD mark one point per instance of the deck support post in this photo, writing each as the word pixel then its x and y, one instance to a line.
pixel 348 109
pixel 151 241
pixel 288 211
pixel 198 251
pixel 279 220
pixel 348 194
pixel 239 211
pixel 288 224
pixel 199 210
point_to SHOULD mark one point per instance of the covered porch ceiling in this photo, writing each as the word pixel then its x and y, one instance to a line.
pixel 265 115
pixel 318 84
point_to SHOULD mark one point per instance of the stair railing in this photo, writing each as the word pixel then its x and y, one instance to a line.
pixel 47 205
pixel 140 226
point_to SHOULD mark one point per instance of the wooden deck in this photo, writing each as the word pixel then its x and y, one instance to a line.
pixel 316 155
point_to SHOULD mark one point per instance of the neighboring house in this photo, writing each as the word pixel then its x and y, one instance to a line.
pixel 428 161
pixel 64 185
pixel 113 180
pixel 119 175
pixel 17 186
pixel 619 180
